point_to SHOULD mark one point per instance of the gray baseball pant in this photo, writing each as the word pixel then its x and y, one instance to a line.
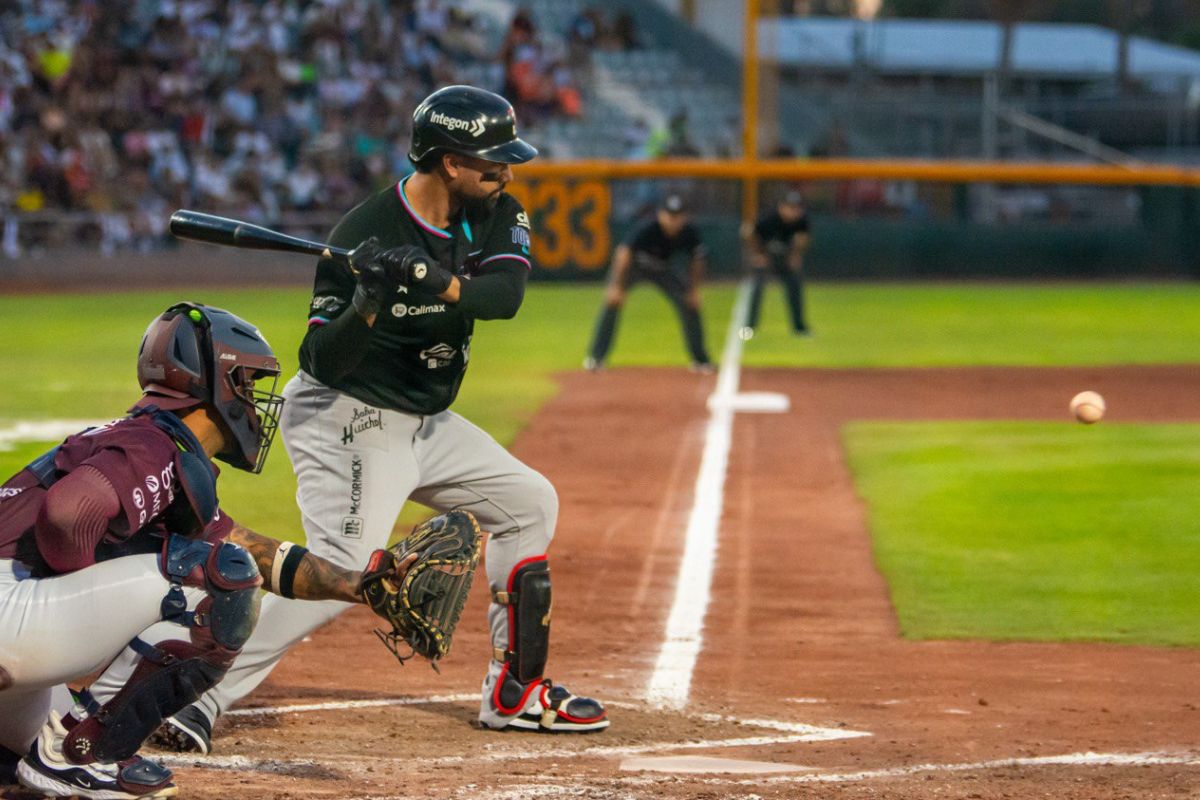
pixel 355 467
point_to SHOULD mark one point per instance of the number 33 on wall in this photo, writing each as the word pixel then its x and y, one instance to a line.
pixel 570 222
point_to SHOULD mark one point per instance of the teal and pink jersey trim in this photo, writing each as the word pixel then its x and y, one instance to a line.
pixel 412 212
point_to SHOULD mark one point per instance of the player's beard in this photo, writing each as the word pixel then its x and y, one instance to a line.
pixel 485 204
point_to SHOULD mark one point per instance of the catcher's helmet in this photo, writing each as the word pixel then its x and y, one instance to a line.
pixel 195 354
pixel 464 119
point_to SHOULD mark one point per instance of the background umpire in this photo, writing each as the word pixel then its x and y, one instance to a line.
pixel 778 243
pixel 652 253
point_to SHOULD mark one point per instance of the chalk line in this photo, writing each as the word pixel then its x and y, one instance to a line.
pixel 671 681
pixel 45 430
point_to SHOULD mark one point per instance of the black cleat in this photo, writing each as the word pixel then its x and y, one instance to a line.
pixel 46 771
pixel 188 731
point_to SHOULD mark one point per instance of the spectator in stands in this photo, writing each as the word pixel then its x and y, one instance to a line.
pixel 674 140
pixel 584 33
pixel 637 140
pixel 304 189
pixel 624 32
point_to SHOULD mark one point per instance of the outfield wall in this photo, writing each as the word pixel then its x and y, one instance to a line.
pixel 865 230
pixel 860 230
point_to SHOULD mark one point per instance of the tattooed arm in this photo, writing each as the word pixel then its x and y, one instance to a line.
pixel 314 578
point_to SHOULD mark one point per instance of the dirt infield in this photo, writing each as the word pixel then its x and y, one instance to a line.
pixel 802 667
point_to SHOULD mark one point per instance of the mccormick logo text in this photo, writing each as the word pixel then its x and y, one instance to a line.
pixel 355 484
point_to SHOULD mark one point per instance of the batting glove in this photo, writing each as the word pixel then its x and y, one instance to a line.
pixel 373 283
pixel 415 269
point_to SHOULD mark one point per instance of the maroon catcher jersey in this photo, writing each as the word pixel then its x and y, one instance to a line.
pixel 139 460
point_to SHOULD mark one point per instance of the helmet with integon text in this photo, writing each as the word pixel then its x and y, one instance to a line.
pixel 194 354
pixel 464 119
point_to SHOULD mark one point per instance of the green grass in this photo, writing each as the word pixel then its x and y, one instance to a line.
pixel 1038 531
pixel 64 354
pixel 905 325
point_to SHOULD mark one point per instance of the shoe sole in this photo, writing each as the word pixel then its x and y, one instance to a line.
pixel 179 738
pixel 521 725
pixel 33 778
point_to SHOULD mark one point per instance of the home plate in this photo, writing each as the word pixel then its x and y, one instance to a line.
pixel 696 764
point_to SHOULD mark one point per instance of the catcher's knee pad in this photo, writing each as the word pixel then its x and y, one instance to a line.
pixel 174 673
pixel 228 573
pixel 528 597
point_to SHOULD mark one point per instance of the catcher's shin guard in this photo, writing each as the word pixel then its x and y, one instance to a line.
pixel 174 673
pixel 519 697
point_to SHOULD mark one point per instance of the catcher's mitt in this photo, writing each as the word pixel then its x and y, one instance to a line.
pixel 424 607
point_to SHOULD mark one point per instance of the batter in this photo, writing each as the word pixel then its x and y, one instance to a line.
pixel 368 426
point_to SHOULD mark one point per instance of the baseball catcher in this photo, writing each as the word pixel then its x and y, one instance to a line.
pixel 424 607
pixel 114 550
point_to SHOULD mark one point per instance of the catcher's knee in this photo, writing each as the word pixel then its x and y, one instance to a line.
pixel 527 596
pixel 229 576
pixel 172 673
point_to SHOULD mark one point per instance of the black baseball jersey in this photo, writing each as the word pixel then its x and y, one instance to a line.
pixel 772 228
pixel 415 356
pixel 654 250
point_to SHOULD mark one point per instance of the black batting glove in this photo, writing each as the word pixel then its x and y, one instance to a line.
pixel 373 283
pixel 416 269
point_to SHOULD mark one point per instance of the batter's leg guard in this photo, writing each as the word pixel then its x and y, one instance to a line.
pixel 516 694
pixel 174 673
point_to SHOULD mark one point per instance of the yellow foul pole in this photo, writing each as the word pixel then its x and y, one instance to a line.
pixel 750 109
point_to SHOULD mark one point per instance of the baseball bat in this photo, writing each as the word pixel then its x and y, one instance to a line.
pixel 201 227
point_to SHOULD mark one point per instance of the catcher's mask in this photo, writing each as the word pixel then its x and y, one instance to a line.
pixel 195 354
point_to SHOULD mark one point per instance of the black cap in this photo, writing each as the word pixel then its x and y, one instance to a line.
pixel 793 198
pixel 464 119
pixel 674 204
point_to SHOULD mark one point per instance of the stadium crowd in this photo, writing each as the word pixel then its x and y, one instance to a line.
pixel 252 108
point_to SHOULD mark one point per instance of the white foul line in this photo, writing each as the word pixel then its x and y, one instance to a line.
pixel 1069 760
pixel 286 766
pixel 44 430
pixel 340 705
pixel 672 678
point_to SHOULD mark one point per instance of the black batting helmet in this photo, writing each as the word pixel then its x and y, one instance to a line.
pixel 464 119
pixel 194 354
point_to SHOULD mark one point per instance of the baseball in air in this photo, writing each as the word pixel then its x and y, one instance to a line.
pixel 1088 407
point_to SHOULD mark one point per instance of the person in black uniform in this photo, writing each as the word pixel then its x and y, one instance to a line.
pixel 368 423
pixel 652 253
pixel 778 243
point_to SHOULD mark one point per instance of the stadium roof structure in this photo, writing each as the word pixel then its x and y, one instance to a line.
pixel 961 48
